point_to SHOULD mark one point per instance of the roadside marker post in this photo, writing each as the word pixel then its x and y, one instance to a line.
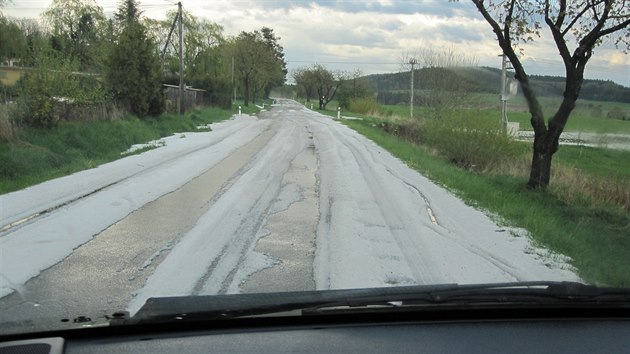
pixel 239 110
pixel 338 113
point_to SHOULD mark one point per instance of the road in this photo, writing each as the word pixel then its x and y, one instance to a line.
pixel 287 200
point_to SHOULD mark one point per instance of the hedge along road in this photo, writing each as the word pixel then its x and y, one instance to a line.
pixel 291 200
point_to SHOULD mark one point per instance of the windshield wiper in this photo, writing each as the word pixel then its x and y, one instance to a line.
pixel 523 293
pixel 169 309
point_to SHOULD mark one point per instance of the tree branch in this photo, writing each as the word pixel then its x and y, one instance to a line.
pixel 558 37
pixel 616 28
pixel 587 43
pixel 561 14
pixel 577 18
pixel 508 20
pixel 594 8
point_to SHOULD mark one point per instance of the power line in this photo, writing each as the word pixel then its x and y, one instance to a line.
pixel 342 62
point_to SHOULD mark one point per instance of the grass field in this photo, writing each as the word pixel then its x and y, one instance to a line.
pixel 588 116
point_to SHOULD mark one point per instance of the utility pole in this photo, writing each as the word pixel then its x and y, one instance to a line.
pixel 413 62
pixel 233 86
pixel 504 95
pixel 180 98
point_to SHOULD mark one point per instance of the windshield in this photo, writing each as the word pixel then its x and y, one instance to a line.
pixel 157 149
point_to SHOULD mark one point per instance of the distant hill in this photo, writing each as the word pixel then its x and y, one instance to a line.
pixel 487 80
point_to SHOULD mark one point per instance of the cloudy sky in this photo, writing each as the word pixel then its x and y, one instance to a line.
pixel 372 36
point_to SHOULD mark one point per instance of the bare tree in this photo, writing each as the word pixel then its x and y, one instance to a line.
pixel 354 86
pixel 437 77
pixel 583 25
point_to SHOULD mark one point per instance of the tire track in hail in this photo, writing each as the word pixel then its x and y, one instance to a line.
pixel 444 233
pixel 15 225
pixel 420 267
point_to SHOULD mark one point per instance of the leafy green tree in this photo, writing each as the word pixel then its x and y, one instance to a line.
pixel 305 82
pixel 278 77
pixel 204 59
pixel 325 83
pixel 133 71
pixel 320 81
pixel 35 38
pixel 78 30
pixel 12 40
pixel 256 64
pixel 583 25
pixel 53 82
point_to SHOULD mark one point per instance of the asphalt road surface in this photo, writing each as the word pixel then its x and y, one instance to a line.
pixel 289 200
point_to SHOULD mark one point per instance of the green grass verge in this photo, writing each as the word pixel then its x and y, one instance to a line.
pixel 598 241
pixel 596 161
pixel 43 154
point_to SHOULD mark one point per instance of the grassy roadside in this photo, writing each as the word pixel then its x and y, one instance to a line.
pixel 38 155
pixel 597 239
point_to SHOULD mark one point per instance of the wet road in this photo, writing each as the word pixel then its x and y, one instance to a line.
pixel 291 200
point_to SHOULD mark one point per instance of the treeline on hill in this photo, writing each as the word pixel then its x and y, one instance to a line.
pixel 394 88
pixel 77 64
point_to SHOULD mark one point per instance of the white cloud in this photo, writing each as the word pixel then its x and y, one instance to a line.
pixel 377 31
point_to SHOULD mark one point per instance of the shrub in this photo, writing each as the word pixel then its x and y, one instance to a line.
pixel 408 130
pixel 468 140
pixel 617 113
pixel 363 105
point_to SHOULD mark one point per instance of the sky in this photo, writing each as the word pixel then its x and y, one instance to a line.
pixel 371 35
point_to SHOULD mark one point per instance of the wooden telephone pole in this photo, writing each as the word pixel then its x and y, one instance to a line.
pixel 413 62
pixel 180 97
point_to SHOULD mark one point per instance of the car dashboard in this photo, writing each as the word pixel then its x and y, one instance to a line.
pixel 480 330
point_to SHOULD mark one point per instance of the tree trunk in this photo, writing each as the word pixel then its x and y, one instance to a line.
pixel 246 93
pixel 540 172
pixel 546 144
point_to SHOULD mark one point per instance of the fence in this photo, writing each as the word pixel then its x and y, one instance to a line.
pixel 192 97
